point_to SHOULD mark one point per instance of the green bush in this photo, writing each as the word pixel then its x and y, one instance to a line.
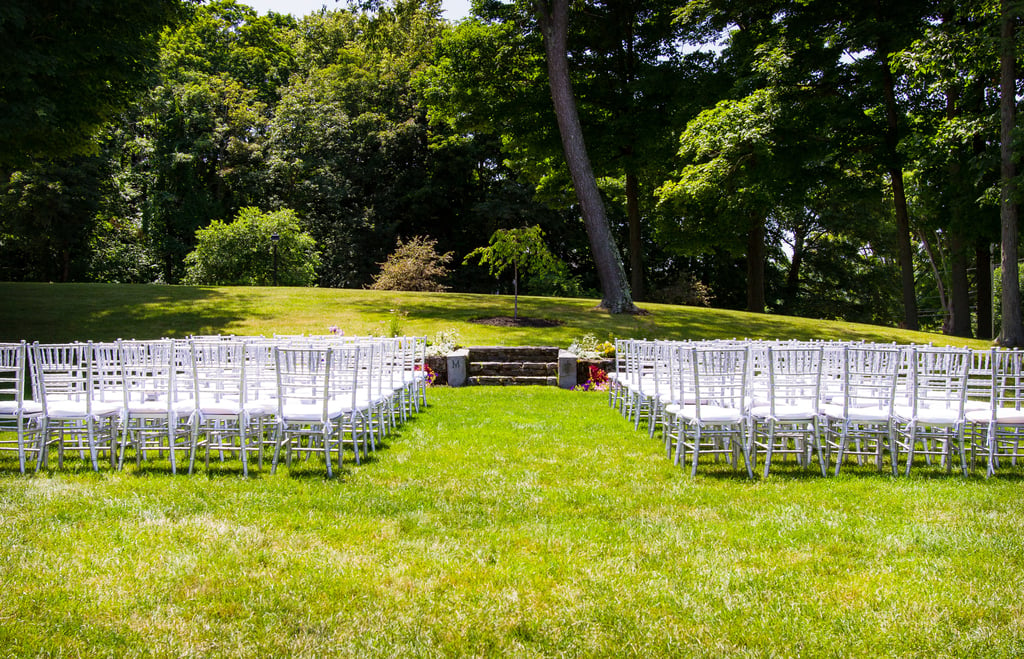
pixel 413 266
pixel 242 252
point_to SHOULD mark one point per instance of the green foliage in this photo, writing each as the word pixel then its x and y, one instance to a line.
pixel 687 290
pixel 415 265
pixel 69 67
pixel 523 250
pixel 120 254
pixel 243 253
pixel 47 212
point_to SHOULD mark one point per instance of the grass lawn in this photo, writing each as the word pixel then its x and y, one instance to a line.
pixel 66 312
pixel 518 521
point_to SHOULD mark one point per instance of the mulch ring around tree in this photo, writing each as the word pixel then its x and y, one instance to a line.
pixel 522 321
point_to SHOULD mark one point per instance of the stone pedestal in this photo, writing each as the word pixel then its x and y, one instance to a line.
pixel 458 367
pixel 566 369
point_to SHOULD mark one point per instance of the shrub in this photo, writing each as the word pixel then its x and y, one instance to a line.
pixel 688 291
pixel 242 252
pixel 413 266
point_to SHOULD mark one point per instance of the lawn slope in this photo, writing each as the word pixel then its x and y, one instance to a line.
pixel 64 312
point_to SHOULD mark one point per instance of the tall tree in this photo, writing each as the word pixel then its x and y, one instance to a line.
pixel 553 20
pixel 1012 332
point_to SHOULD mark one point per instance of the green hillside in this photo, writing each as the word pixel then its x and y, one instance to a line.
pixel 62 312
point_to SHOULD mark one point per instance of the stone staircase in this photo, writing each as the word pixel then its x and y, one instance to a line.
pixel 523 365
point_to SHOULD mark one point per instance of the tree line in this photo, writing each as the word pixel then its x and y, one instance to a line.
pixel 849 160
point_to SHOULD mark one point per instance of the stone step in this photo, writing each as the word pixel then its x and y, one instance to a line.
pixel 513 354
pixel 513 369
pixel 506 381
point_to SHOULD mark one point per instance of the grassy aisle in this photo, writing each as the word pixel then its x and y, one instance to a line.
pixel 523 522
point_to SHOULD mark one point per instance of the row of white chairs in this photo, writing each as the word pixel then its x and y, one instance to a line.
pixel 219 394
pixel 821 401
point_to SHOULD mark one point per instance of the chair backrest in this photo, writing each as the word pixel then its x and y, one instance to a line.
pixel 979 376
pixel 107 373
pixel 681 373
pixel 939 377
pixel 303 379
pixel 794 377
pixel 149 372
pixel 719 376
pixel 351 366
pixel 218 372
pixel 1007 380
pixel 12 375
pixel 260 370
pixel 869 376
pixel 61 371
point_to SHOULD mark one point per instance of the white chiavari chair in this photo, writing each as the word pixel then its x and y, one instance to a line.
pixel 858 407
pixel 18 415
pixel 308 416
pixel 998 432
pixel 222 416
pixel 156 412
pixel 931 422
pixel 73 416
pixel 715 422
pixel 788 423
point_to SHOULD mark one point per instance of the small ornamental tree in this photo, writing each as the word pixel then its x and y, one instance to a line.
pixel 243 252
pixel 413 266
pixel 522 249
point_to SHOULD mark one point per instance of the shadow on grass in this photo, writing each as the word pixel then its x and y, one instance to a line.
pixel 100 312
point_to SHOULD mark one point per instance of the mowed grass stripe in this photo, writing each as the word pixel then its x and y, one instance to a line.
pixel 518 521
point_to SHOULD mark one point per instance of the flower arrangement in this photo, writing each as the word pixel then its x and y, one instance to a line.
pixel 584 347
pixel 444 341
pixel 598 381
pixel 588 347
pixel 431 375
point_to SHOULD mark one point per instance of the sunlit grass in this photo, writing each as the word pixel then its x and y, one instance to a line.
pixel 515 521
pixel 60 312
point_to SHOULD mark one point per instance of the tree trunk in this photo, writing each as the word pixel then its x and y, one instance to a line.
pixel 899 195
pixel 1011 333
pixel 755 267
pixel 960 289
pixel 553 19
pixel 636 247
pixel 940 284
pixel 793 276
pixel 983 283
pixel 515 289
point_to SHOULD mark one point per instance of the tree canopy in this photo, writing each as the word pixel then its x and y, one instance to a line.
pixel 71 66
pixel 801 156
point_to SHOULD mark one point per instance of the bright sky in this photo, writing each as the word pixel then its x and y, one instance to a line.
pixel 453 9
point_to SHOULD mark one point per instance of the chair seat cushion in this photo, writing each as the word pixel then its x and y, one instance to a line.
pixel 937 416
pixel 159 408
pixel 10 407
pixel 70 410
pixel 784 412
pixel 1004 416
pixel 877 414
pixel 710 413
